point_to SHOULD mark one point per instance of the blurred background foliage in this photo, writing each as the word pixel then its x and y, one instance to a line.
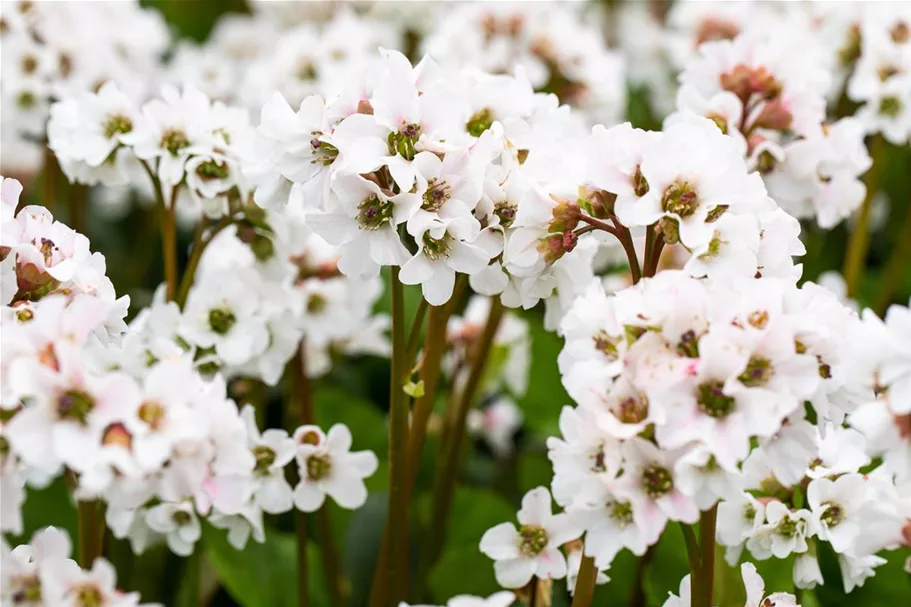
pixel 356 393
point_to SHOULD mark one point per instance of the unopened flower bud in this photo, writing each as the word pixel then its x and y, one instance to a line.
pixel 566 216
pixel 774 116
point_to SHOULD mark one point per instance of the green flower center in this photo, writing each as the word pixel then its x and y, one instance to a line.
pixel 758 372
pixel 606 345
pixel 316 303
pixel 318 467
pixel 688 345
pixel 749 512
pixel 174 140
pixel 621 513
pixel 479 123
pixel 788 527
pixel 680 199
pixel 890 106
pixel 212 169
pixel 402 142
pixel 657 481
pixel 506 212
pixel 712 400
pixel 181 517
pixel 29 591
pixel 117 124
pixel 264 457
pixel 533 540
pixel 26 100
pixel 436 195
pixel 640 185
pixel 834 514
pixel 89 595
pixel 75 405
pixel 221 320
pixel 373 213
pixel 24 315
pixel 437 248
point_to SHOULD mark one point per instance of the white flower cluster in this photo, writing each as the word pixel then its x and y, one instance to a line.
pixel 42 573
pixel 147 434
pixel 246 59
pixel 556 46
pixel 265 284
pixel 755 591
pixel 500 599
pixel 55 51
pixel 881 79
pixel 182 138
pixel 767 95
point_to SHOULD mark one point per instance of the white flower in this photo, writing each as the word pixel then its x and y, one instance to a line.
pixel 178 522
pixel 273 450
pixel 327 467
pixel 533 549
pixel 836 506
pixel 785 532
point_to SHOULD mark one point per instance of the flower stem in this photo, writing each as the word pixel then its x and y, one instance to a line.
pixel 201 240
pixel 415 332
pixel 860 237
pixel 585 583
pixel 78 200
pixel 49 177
pixel 168 232
pixel 637 598
pixel 898 266
pixel 654 255
pixel 90 515
pixel 397 570
pixel 707 560
pixel 447 472
pixel 692 556
pixel 301 397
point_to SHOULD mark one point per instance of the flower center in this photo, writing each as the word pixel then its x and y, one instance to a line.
pixel 749 512
pixel 221 320
pixel 117 124
pixel 212 169
pixel 316 303
pixel 757 373
pixel 479 122
pixel 24 315
pixel 506 212
pixel 621 513
pixel 680 199
pixel 75 405
pixel 436 195
pixel 323 152
pixel 374 213
pixel 632 410
pixel 534 540
pixel 640 185
pixel 657 481
pixel 890 106
pixel 181 518
pixel 117 434
pixel 606 345
pixel 437 248
pixel 152 413
pixel 688 345
pixel 318 467
pixel 174 140
pixel 264 457
pixel 29 591
pixel 712 400
pixel 89 595
pixel 834 514
pixel 789 527
pixel 402 142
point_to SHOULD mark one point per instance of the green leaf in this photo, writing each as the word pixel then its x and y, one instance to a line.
pixel 367 423
pixel 414 390
pixel 545 396
pixel 264 575
pixel 462 568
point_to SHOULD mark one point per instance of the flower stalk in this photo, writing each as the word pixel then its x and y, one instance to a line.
pixel 860 236
pixel 397 567
pixel 585 583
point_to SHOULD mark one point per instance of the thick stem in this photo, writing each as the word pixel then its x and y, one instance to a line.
pixel 585 583
pixel 899 265
pixel 168 231
pixel 90 515
pixel 78 210
pixel 626 239
pixel 49 176
pixel 860 237
pixel 707 560
pixel 654 256
pixel 201 240
pixel 447 474
pixel 398 449
pixel 533 592
pixel 693 558
pixel 302 402
pixel 328 551
pixel 414 333
pixel 637 598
